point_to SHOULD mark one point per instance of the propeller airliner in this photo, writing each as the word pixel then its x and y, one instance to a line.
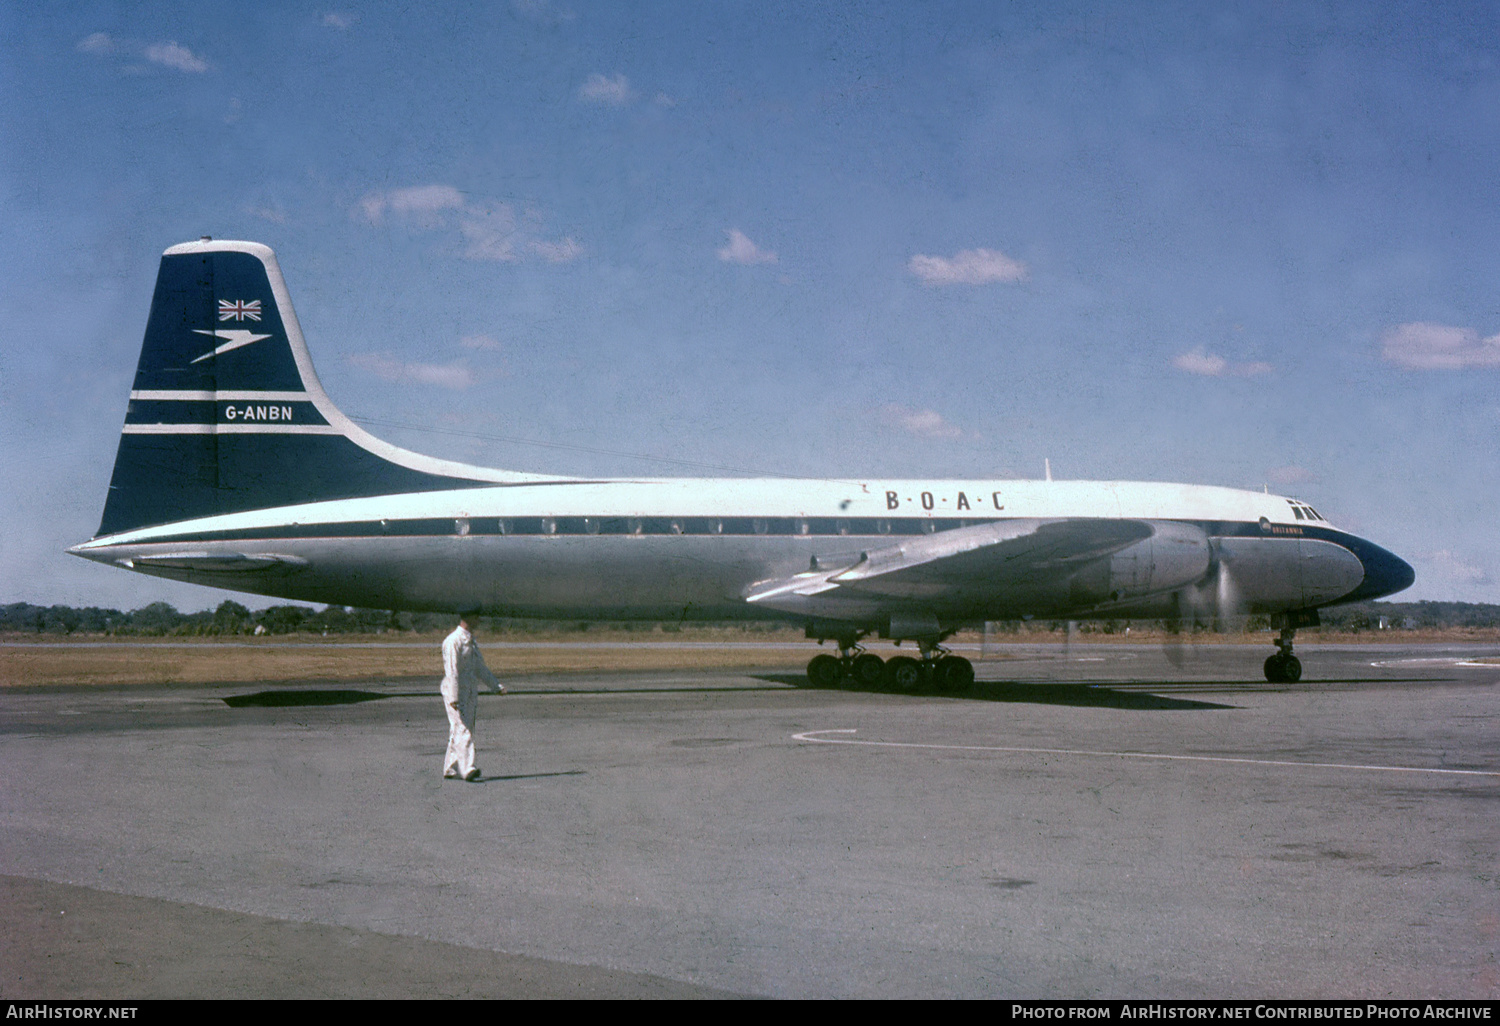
pixel 235 470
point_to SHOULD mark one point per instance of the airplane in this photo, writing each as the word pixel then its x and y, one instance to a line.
pixel 235 470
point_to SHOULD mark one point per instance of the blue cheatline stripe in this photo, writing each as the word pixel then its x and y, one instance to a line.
pixel 865 529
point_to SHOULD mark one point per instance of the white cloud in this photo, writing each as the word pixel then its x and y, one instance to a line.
pixel 1211 365
pixel 1456 569
pixel 615 92
pixel 740 250
pixel 1199 362
pixel 167 54
pixel 271 213
pixel 968 267
pixel 339 20
pixel 455 376
pixel 99 42
pixel 1290 475
pixel 1420 346
pixel 542 12
pixel 562 251
pixel 418 200
pixel 922 423
pixel 490 229
pixel 174 56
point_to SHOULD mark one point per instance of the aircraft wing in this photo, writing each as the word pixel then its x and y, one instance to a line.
pixel 955 565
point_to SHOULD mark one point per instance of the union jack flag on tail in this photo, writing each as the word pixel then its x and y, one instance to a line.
pixel 239 309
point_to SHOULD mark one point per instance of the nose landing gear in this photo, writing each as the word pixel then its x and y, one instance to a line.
pixel 1283 667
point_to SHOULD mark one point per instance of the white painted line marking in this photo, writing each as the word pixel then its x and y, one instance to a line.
pixel 1434 661
pixel 811 736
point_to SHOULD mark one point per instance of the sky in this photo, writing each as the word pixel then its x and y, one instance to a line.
pixel 1253 245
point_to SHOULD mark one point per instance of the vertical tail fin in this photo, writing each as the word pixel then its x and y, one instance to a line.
pixel 226 413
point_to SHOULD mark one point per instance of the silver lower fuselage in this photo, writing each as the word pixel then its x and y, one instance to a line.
pixel 862 553
pixel 624 577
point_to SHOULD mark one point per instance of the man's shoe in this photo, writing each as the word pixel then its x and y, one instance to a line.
pixel 450 774
pixel 473 774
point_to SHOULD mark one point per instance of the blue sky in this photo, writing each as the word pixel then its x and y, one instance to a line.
pixel 1245 245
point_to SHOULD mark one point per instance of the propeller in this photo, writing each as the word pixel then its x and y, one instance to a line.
pixel 1213 603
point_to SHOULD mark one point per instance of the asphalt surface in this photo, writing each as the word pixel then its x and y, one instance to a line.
pixel 1099 822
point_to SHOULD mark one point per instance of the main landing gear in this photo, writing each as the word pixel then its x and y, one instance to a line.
pixel 856 667
pixel 1283 667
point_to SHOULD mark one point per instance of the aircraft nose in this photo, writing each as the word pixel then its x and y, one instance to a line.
pixel 1385 573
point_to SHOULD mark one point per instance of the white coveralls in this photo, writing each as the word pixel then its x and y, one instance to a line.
pixel 463 669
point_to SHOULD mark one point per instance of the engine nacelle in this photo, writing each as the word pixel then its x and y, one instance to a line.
pixel 1175 556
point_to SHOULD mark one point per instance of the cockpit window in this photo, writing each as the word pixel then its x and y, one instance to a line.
pixel 1297 512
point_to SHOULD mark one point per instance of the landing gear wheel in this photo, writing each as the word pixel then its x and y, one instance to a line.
pixel 868 670
pixel 824 671
pixel 953 673
pixel 903 673
pixel 1283 669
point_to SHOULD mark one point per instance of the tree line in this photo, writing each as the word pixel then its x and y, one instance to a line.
pixel 160 619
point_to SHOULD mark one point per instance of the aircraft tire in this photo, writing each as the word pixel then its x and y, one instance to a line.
pixel 903 673
pixel 869 670
pixel 1283 669
pixel 824 671
pixel 953 673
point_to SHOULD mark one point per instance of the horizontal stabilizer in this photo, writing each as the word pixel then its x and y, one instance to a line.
pixel 217 562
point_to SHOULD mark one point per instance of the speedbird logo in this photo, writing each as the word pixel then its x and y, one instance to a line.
pixel 239 310
pixel 233 339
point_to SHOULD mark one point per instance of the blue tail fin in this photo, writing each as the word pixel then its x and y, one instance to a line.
pixel 226 413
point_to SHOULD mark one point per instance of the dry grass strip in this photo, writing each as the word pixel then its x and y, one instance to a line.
pixel 33 665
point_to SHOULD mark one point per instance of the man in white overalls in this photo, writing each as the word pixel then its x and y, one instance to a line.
pixel 463 669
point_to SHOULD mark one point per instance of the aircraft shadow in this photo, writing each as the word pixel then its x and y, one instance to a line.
pixel 532 776
pixel 301 697
pixel 1014 691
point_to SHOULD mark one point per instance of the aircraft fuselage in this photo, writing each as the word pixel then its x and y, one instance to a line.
pixel 697 549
